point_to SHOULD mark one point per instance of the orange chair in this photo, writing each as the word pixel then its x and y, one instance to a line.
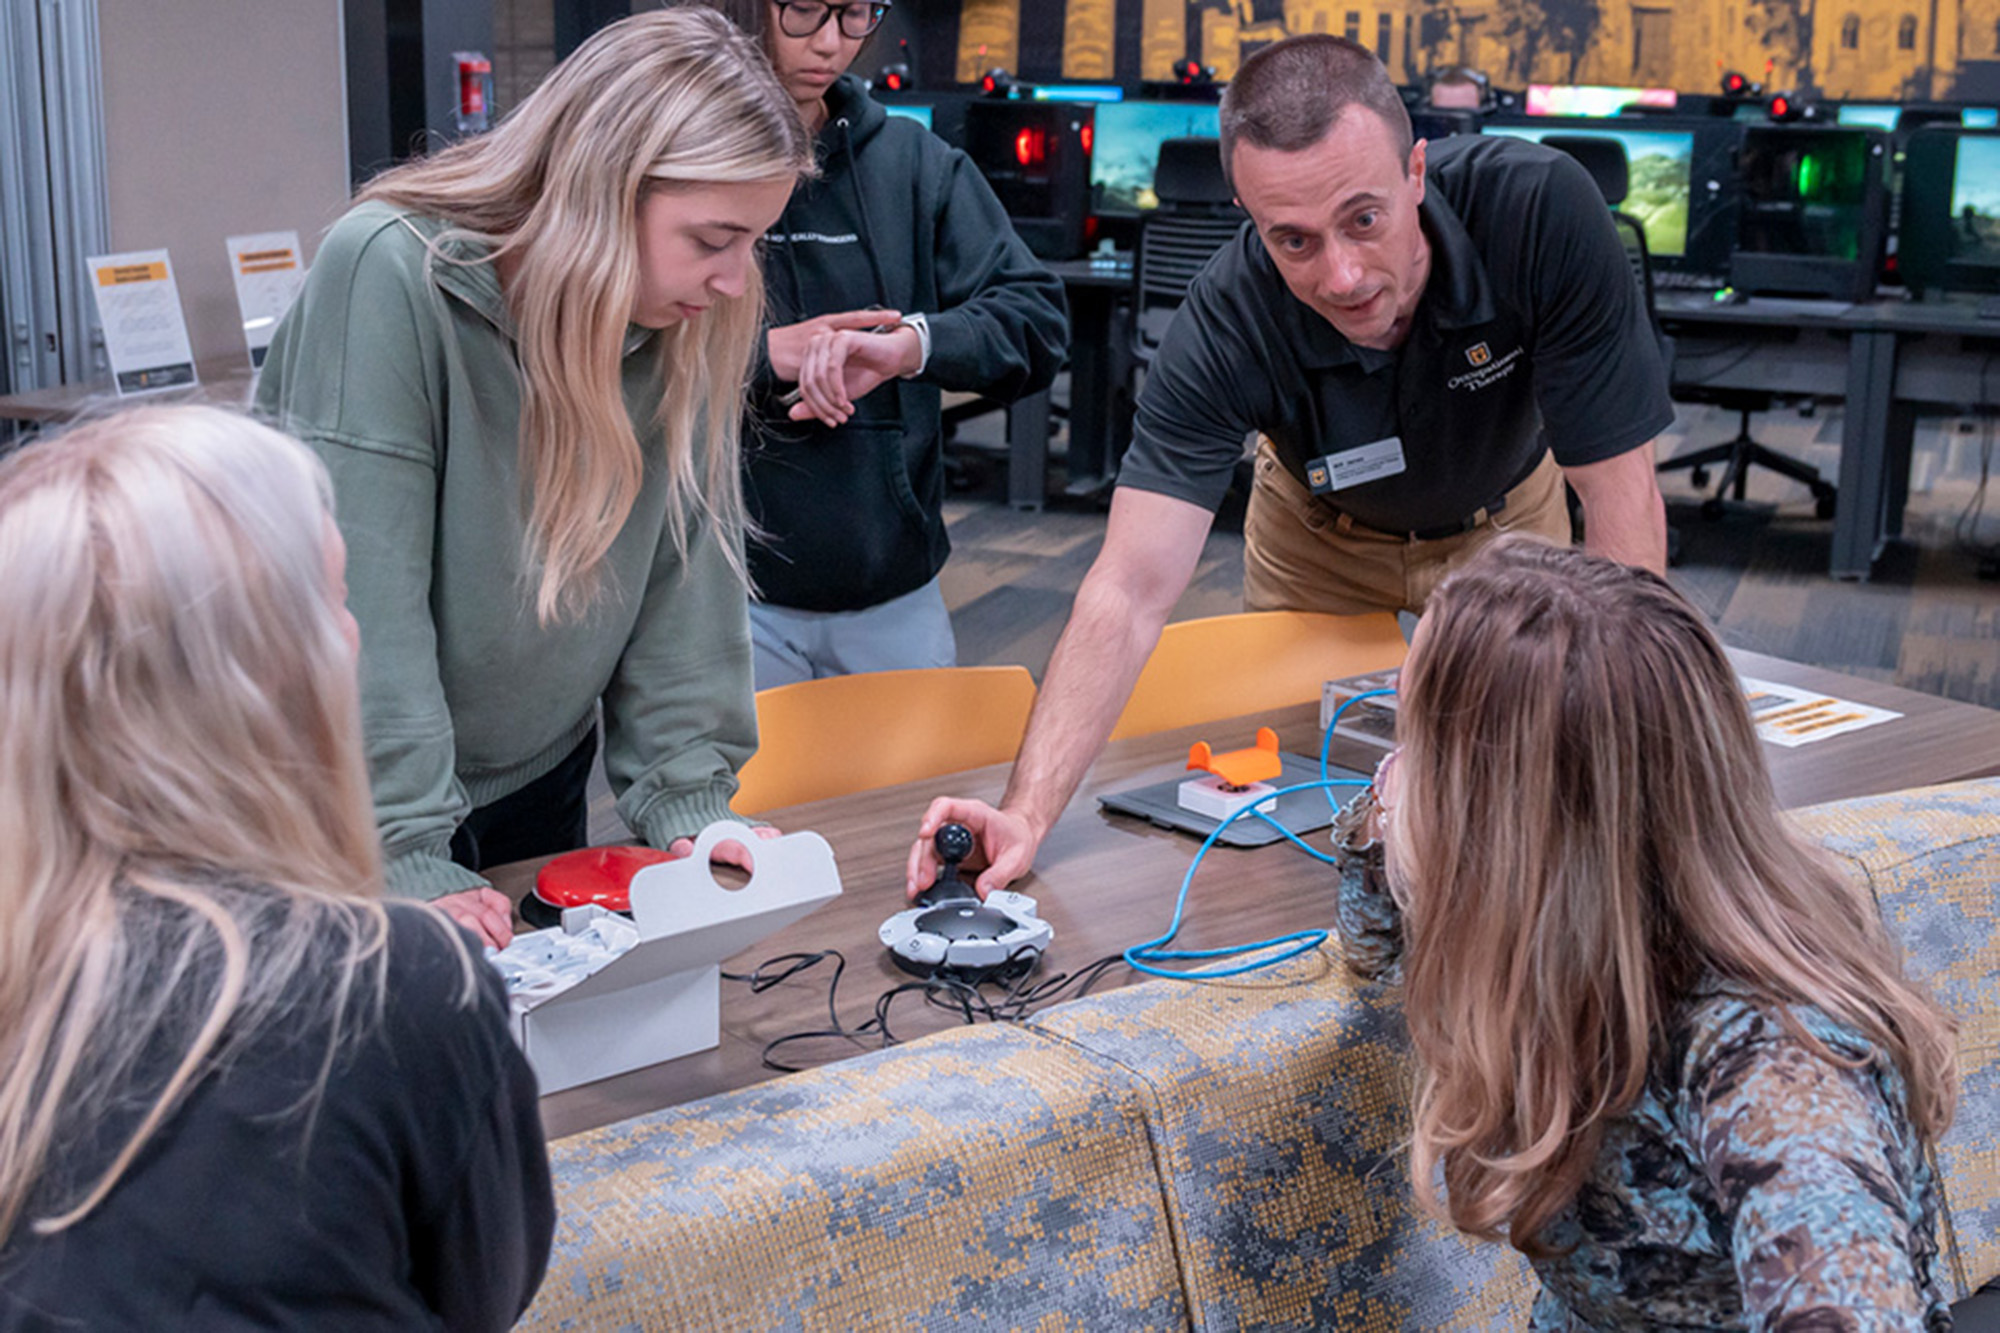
pixel 821 738
pixel 1228 666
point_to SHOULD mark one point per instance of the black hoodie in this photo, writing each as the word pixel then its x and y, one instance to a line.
pixel 853 516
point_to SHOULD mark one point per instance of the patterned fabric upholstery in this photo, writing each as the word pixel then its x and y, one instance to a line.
pixel 1281 1101
pixel 1221 1155
pixel 1932 856
pixel 979 1178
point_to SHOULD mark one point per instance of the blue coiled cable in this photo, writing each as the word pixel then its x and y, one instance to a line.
pixel 1146 957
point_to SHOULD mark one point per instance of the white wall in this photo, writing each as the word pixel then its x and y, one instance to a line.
pixel 221 117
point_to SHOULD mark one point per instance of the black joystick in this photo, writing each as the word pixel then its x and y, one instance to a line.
pixel 950 931
pixel 957 912
pixel 954 842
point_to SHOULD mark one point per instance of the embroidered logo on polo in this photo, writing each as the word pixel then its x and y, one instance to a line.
pixel 1487 369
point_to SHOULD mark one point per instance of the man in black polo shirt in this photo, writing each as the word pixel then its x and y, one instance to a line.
pixel 1419 335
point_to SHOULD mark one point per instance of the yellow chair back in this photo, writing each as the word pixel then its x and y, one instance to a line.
pixel 821 738
pixel 1227 666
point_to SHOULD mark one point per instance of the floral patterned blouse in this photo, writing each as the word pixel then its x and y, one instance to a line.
pixel 1755 1184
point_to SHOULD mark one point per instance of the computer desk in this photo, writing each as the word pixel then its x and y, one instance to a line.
pixel 1106 882
pixel 1884 359
pixel 1096 288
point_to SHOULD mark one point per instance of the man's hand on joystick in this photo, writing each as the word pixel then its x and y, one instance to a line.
pixel 1004 845
pixel 953 843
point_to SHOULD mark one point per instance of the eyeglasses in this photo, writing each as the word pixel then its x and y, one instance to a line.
pixel 803 18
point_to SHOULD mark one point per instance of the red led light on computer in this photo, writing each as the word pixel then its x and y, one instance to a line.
pixel 1031 146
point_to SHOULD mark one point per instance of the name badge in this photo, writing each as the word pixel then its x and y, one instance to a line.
pixel 1351 467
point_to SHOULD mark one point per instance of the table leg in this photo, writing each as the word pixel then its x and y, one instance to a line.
pixel 1865 450
pixel 1090 362
pixel 1028 451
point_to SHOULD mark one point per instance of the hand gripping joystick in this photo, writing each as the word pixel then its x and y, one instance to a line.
pixel 953 843
pixel 950 931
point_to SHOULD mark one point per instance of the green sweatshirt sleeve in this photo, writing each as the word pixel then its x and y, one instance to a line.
pixel 355 372
pixel 679 715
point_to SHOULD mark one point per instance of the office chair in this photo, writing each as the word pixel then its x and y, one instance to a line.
pixel 1226 666
pixel 1197 215
pixel 821 738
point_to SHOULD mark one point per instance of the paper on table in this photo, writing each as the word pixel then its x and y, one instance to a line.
pixel 1789 716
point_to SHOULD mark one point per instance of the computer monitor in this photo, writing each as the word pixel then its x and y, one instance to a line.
pixel 1879 115
pixel 1125 148
pixel 1979 117
pixel 917 111
pixel 1079 92
pixel 1951 211
pixel 1660 163
pixel 1812 210
pixel 1562 99
pixel 1435 123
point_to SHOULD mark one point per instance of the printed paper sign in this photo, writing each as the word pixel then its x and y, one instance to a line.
pixel 145 334
pixel 1789 716
pixel 268 272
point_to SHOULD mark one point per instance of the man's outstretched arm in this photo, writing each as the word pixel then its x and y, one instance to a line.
pixel 1151 545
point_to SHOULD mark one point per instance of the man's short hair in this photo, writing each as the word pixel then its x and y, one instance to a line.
pixel 1287 96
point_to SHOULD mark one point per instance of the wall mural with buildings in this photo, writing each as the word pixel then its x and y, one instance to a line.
pixel 1886 49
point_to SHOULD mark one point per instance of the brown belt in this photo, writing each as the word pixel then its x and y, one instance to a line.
pixel 1466 524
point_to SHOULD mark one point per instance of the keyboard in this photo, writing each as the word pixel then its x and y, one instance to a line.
pixel 1989 308
pixel 1678 280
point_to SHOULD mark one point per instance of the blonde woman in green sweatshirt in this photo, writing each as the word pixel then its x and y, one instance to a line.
pixel 522 360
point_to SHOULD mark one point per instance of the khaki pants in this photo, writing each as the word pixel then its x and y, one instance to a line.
pixel 1299 556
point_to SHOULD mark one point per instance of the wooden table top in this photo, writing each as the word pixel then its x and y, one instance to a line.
pixel 1106 882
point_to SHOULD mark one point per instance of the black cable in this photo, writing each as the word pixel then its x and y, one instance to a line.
pixel 973 1001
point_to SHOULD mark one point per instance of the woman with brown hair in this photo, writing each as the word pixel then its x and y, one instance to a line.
pixel 523 362
pixel 1663 1046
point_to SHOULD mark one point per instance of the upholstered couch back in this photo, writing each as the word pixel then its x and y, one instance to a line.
pixel 1220 1155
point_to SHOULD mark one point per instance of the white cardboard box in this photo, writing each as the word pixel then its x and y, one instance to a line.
pixel 662 999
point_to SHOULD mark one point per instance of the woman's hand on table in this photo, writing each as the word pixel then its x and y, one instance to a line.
pixel 1004 843
pixel 484 912
pixel 731 853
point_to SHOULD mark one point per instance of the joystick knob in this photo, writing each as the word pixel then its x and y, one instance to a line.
pixel 953 843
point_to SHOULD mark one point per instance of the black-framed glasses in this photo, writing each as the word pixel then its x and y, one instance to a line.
pixel 803 18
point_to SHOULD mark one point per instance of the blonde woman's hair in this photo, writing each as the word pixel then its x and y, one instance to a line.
pixel 660 101
pixel 184 811
pixel 1586 829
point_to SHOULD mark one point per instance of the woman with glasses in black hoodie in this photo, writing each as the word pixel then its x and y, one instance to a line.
pixel 892 277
